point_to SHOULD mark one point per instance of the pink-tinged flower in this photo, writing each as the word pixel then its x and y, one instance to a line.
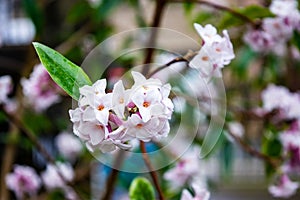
pixel 279 97
pixel 52 178
pixel 259 40
pixel 68 145
pixel 290 140
pixel 186 168
pixel 145 131
pixel 281 29
pixel 200 193
pixel 40 90
pixel 216 51
pixel 106 121
pixel 5 88
pixel 23 180
pixel 285 188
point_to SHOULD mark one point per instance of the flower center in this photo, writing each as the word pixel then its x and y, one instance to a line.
pixel 121 100
pixel 146 104
pixel 205 58
pixel 100 107
pixel 139 126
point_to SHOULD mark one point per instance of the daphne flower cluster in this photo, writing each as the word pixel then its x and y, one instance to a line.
pixel 284 188
pixel 286 104
pixel 105 121
pixel 23 180
pixel 281 99
pixel 275 32
pixel 216 51
pixel 40 90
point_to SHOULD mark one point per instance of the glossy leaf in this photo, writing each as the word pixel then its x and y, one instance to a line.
pixel 141 189
pixel 66 74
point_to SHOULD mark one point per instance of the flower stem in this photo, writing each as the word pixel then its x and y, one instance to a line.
pixel 220 7
pixel 160 5
pixel 30 135
pixel 152 172
pixel 250 150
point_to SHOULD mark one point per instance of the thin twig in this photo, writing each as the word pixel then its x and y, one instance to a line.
pixel 30 135
pixel 160 5
pixel 111 180
pixel 152 172
pixel 176 60
pixel 252 151
pixel 220 7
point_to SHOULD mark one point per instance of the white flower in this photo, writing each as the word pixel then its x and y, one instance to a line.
pixel 106 121
pixel 5 88
pixel 23 180
pixel 285 188
pixel 52 179
pixel 279 28
pixel 216 52
pixel 200 193
pixel 236 129
pixel 279 97
pixel 187 167
pixel 283 7
pixel 68 145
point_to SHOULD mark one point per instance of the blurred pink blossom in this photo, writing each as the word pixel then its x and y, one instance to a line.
pixel 200 193
pixel 23 180
pixel 285 187
pixel 279 97
pixel 186 168
pixel 52 179
pixel 40 90
pixel 68 145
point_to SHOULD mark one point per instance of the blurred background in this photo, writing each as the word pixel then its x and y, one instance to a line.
pixel 75 27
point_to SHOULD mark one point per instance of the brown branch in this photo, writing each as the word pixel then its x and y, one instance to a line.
pixel 31 136
pixel 275 162
pixel 160 5
pixel 220 7
pixel 111 180
pixel 152 172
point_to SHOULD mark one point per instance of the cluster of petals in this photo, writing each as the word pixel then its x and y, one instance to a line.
pixel 106 121
pixel 281 99
pixel 23 180
pixel 200 193
pixel 275 32
pixel 186 168
pixel 285 188
pixel 216 51
pixel 290 140
pixel 68 145
pixel 52 178
pixel 40 90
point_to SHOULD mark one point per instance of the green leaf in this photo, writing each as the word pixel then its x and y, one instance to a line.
pixel 253 12
pixel 188 7
pixel 105 8
pixel 296 39
pixel 141 189
pixel 66 74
